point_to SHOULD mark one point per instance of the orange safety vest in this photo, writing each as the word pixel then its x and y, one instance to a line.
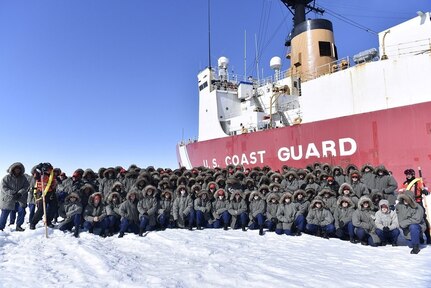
pixel 46 184
pixel 416 186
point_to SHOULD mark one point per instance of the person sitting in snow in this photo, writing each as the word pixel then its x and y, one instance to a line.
pixel 319 219
pixel 301 206
pixel 95 214
pixel 257 210
pixel 387 224
pixel 73 213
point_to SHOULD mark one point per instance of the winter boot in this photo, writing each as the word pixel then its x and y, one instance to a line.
pixel 121 235
pixel 141 232
pixel 364 242
pixel 190 227
pixel 76 232
pixel 90 230
pixel 19 229
pixel 199 227
pixel 319 232
pixel 32 226
pixel 243 228
pixel 353 240
pixel 415 249
pixel 225 227
pixel 103 234
pixel 261 230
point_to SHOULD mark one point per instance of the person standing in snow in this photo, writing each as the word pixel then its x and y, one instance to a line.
pixel 14 188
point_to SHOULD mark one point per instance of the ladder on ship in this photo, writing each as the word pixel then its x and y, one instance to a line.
pixel 257 101
pixel 284 119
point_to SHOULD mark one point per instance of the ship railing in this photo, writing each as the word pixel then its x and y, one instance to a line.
pixel 410 48
pixel 233 80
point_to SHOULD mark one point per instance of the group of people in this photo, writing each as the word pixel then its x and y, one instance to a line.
pixel 357 205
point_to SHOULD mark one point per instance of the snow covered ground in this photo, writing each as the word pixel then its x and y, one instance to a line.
pixel 208 258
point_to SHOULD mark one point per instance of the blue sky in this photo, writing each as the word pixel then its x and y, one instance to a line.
pixel 98 83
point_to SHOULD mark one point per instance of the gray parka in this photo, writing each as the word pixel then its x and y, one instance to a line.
pixel 342 214
pixel 203 205
pixel 92 211
pixel 219 206
pixel 271 208
pixel 113 209
pixel 236 208
pixel 71 208
pixel 183 205
pixel 256 206
pixel 149 205
pixel 14 188
pixel 365 218
pixel 128 209
pixel 319 216
pixel 286 212
pixel 388 219
pixel 409 214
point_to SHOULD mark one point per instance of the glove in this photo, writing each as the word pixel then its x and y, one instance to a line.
pixel 17 196
pixel 425 192
pixel 274 220
pixel 341 224
pixel 386 229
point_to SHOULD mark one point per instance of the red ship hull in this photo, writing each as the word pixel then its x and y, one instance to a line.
pixel 398 138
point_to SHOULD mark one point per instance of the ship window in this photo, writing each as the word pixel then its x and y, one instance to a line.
pixel 203 86
pixel 227 108
pixel 325 48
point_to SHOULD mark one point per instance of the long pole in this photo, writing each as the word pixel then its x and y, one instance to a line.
pixel 209 34
pixel 44 208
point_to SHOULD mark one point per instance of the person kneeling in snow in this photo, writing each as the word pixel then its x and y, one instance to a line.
pixel 257 211
pixel 147 207
pixel 183 209
pixel 95 214
pixel 238 208
pixel 220 210
pixel 411 219
pixel 285 214
pixel 129 213
pixel 271 211
pixel 319 219
pixel 387 224
pixel 343 219
pixel 202 206
pixel 363 220
pixel 73 211
pixel 165 218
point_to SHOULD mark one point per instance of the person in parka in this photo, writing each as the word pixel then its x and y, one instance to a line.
pixel 285 215
pixel 238 209
pixel 129 214
pixel 363 221
pixel 220 208
pixel 148 206
pixel 119 188
pixel 89 177
pixel 182 210
pixel 84 194
pixel 272 201
pixel 140 184
pixel 109 178
pixel 95 214
pixel 165 217
pixel 113 203
pixel 73 213
pixel 13 193
pixel 329 199
pixel 368 176
pixel 343 218
pixel 387 224
pixel 346 190
pixel 249 187
pixel 411 219
pixel 319 219
pixel 290 181
pixel 202 206
pixel 338 174
pixel 357 186
pixel 386 184
pixel 301 205
pixel 264 190
pixel 310 182
pixel 257 209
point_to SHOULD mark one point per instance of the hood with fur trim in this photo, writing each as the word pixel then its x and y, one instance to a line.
pixel 181 187
pixel 345 186
pixel 73 194
pixel 317 200
pixel 345 199
pixel 365 199
pixel 91 198
pixel 111 195
pixel 272 196
pixel 286 195
pixel 255 193
pixel 297 192
pixel 409 197
pixel 326 190
pixel 236 192
pixel 14 165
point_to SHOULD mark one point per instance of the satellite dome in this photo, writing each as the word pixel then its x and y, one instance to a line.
pixel 275 63
pixel 223 62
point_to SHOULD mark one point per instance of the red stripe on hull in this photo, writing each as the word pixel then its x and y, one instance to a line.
pixel 398 138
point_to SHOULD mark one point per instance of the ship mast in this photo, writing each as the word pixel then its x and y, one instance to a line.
pixel 299 8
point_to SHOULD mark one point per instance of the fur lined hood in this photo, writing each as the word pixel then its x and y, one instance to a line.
pixel 409 197
pixel 326 190
pixel 297 192
pixel 235 192
pixel 364 199
pixel 255 193
pixel 284 196
pixel 271 196
pixel 345 186
pixel 73 194
pixel 111 195
pixel 345 199
pixel 317 200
